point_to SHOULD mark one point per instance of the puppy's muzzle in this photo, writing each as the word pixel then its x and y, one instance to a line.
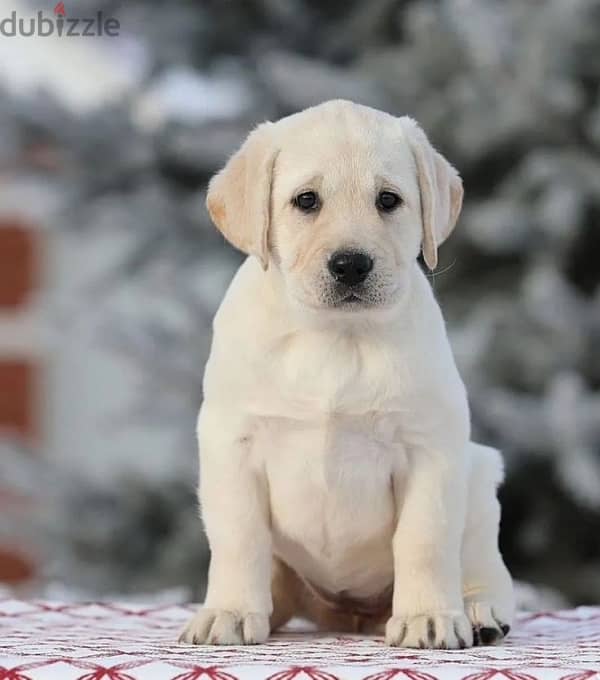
pixel 349 268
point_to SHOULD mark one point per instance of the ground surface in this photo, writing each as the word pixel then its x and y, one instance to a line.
pixel 42 640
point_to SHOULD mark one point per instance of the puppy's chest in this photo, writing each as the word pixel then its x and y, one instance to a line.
pixel 335 457
pixel 328 436
pixel 330 485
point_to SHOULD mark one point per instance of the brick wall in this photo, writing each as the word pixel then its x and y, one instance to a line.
pixel 19 365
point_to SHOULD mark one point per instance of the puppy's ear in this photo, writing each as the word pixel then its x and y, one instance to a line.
pixel 440 187
pixel 239 196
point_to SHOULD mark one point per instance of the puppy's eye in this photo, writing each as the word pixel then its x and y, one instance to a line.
pixel 388 201
pixel 307 201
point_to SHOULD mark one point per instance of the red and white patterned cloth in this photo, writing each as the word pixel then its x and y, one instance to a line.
pixel 92 641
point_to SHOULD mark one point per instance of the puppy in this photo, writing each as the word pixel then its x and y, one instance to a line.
pixel 338 479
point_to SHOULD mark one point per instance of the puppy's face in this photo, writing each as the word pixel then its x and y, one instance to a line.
pixel 339 198
pixel 345 211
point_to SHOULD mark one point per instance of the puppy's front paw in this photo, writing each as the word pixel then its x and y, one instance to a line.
pixel 221 627
pixel 432 631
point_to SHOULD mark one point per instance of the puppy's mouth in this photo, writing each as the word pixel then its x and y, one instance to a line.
pixel 350 298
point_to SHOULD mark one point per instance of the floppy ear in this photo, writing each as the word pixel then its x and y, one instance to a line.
pixel 239 196
pixel 441 191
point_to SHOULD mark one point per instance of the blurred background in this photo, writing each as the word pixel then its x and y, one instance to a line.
pixel 110 271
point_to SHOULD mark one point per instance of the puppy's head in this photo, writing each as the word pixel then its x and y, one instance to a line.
pixel 340 198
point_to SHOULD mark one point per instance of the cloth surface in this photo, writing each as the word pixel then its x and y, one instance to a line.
pixel 109 641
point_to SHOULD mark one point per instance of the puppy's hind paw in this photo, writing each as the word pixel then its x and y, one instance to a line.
pixel 221 627
pixel 490 626
pixel 430 631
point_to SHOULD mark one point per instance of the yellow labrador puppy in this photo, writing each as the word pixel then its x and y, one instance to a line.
pixel 338 479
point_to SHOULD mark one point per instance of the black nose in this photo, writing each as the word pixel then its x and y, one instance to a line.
pixel 350 268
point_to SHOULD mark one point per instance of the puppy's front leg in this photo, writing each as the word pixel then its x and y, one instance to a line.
pixel 428 607
pixel 234 503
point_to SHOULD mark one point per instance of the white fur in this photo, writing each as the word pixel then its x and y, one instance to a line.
pixel 339 440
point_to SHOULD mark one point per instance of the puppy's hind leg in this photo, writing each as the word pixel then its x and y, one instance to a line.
pixel 292 597
pixel 487 585
pixel 287 590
